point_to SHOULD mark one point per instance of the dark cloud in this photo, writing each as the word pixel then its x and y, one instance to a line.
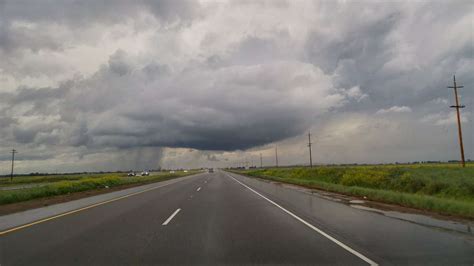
pixel 117 107
pixel 385 55
pixel 255 50
pixel 84 13
pixel 109 83
pixel 12 39
pixel 28 95
pixel 172 10
pixel 32 27
pixel 328 52
pixel 24 136
pixel 118 64
pixel 23 157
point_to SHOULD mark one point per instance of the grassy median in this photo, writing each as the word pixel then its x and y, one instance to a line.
pixel 443 188
pixel 65 184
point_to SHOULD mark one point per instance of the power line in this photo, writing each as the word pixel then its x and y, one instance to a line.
pixel 457 106
pixel 13 163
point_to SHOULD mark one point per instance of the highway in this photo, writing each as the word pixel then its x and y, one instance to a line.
pixel 225 218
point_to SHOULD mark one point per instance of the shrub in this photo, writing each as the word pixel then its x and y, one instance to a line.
pixel 366 178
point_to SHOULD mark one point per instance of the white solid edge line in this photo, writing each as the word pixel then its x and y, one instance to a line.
pixel 171 217
pixel 344 246
pixel 199 188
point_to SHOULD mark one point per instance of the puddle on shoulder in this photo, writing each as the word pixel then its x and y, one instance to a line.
pixel 423 220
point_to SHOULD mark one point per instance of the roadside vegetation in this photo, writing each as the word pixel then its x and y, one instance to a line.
pixel 443 188
pixel 42 179
pixel 47 186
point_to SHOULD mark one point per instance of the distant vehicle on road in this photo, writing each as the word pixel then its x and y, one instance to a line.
pixel 145 173
pixel 131 174
pixel 172 172
pixel 210 170
pixel 185 171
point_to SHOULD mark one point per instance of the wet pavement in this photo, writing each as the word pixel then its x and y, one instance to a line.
pixel 388 237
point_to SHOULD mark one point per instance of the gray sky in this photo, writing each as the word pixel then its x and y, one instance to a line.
pixel 117 85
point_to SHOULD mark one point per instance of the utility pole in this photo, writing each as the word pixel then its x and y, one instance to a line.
pixel 261 161
pixel 310 155
pixel 457 106
pixel 276 156
pixel 13 162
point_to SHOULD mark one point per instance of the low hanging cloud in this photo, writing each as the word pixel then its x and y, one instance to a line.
pixel 122 106
pixel 84 83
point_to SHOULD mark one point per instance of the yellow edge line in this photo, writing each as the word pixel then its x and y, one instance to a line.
pixel 78 210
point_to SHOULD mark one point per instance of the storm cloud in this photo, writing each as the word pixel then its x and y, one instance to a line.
pixel 109 85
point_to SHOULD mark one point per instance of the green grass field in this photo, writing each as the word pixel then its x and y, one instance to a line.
pixel 443 188
pixel 53 185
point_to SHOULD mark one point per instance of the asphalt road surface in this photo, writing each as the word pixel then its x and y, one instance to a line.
pixel 222 218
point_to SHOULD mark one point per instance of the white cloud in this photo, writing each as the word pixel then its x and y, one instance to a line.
pixel 445 118
pixel 356 94
pixel 395 109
